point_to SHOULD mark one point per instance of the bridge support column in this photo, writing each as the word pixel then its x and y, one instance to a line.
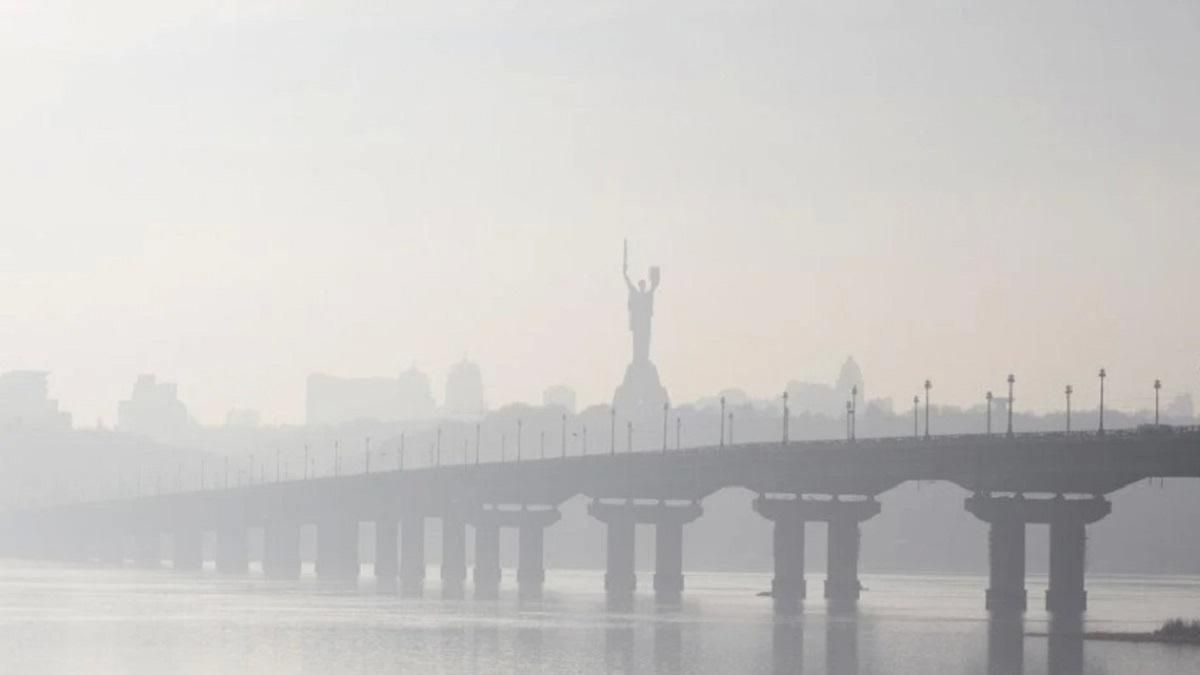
pixel 531 533
pixel 620 578
pixel 454 556
pixel 233 551
pixel 387 552
pixel 842 586
pixel 1006 563
pixel 790 516
pixel 412 554
pixel 1068 542
pixel 281 550
pixel 1067 518
pixel 668 547
pixel 621 519
pixel 187 550
pixel 337 550
pixel 788 586
pixel 487 560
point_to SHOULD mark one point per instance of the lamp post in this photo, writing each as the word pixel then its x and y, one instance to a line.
pixel 916 402
pixel 518 440
pixel 437 448
pixel 722 443
pixel 306 461
pixel 1011 381
pixel 366 456
pixel 928 386
pixel 678 432
pixel 731 428
pixel 666 419
pixel 476 443
pixel 849 412
pixel 989 398
pixel 1157 386
pixel 1068 391
pixel 612 432
pixel 1103 375
pixel 542 444
pixel 564 435
pixel 629 436
pixel 787 417
pixel 854 412
pixel 400 457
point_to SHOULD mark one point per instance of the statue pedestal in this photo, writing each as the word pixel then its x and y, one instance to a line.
pixel 640 394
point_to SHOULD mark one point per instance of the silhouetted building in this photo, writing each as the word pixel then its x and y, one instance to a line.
pixel 242 419
pixel 154 410
pixel 336 400
pixel 464 389
pixel 560 395
pixel 25 402
pixel 828 400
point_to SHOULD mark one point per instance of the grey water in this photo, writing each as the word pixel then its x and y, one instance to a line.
pixel 58 619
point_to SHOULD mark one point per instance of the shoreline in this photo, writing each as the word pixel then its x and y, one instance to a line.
pixel 1125 637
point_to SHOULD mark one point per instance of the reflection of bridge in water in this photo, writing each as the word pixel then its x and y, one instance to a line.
pixel 1055 479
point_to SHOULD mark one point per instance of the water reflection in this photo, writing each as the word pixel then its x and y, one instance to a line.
pixel 1006 643
pixel 1064 653
pixel 618 646
pixel 668 646
pixel 841 644
pixel 787 644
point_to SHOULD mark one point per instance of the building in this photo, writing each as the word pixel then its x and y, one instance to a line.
pixel 154 410
pixel 331 400
pixel 560 395
pixel 464 390
pixel 25 402
pixel 824 399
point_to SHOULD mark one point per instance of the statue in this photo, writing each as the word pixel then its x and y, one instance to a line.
pixel 641 309
pixel 640 394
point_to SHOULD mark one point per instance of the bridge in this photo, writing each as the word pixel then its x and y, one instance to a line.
pixel 1059 479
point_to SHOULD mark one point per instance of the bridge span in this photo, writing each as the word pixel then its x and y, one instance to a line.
pixel 1059 479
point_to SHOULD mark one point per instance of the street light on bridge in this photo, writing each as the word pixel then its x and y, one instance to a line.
pixel 722 423
pixel 1103 375
pixel 564 435
pixel 849 415
pixel 731 428
pixel 1011 381
pixel 916 402
pixel 787 416
pixel 612 431
pixel 854 412
pixel 1157 386
pixel 928 386
pixel 989 398
pixel 366 458
pixel 666 420
pixel 1068 391
pixel 518 440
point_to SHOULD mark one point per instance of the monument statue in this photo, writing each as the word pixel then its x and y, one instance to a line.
pixel 640 394
pixel 641 309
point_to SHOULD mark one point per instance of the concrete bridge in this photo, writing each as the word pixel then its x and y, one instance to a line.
pixel 1056 479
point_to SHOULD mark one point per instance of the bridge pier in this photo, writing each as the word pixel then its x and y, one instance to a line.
pixel 790 517
pixel 337 550
pixel 187 550
pixel 1007 517
pixel 387 552
pixel 621 519
pixel 530 524
pixel 454 556
pixel 281 550
pixel 233 550
pixel 487 559
pixel 412 554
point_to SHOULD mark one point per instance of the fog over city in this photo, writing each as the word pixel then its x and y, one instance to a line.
pixel 483 326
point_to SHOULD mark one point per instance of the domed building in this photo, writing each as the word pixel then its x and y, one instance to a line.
pixel 464 389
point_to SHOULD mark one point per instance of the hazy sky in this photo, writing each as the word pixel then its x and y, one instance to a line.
pixel 233 195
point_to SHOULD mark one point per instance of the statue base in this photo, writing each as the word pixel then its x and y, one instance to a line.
pixel 640 394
